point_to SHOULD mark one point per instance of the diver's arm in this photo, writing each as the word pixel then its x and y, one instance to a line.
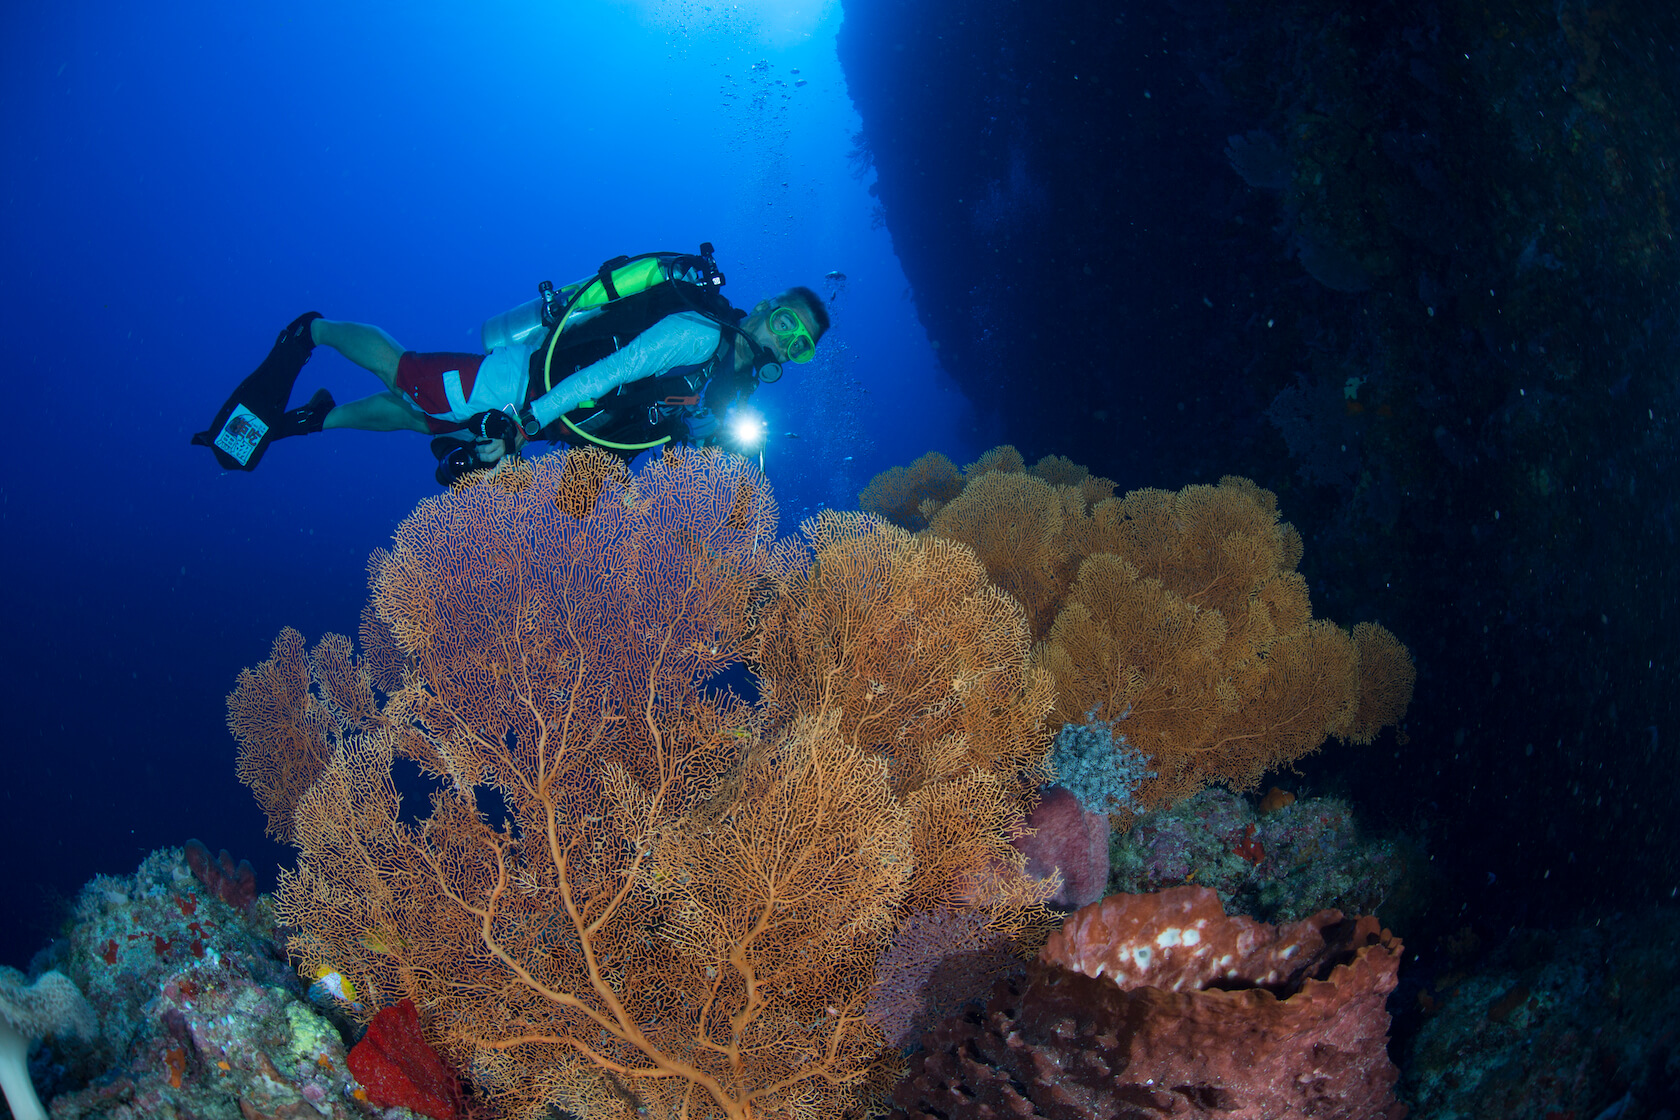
pixel 684 339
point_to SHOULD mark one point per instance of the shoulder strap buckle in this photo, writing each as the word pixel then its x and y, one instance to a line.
pixel 604 274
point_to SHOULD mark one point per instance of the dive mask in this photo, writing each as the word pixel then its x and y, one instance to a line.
pixel 790 331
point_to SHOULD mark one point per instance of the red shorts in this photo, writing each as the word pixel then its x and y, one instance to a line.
pixel 440 385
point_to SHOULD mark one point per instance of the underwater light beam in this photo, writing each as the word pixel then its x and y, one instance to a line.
pixel 769 22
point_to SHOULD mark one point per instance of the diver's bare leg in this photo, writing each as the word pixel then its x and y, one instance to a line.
pixel 382 412
pixel 369 347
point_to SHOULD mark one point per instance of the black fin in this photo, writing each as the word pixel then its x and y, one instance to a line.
pixel 247 422
pixel 305 419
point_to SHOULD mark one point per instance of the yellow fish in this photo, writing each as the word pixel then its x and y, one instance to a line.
pixel 331 982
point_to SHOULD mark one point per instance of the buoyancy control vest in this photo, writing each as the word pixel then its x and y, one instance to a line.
pixel 603 313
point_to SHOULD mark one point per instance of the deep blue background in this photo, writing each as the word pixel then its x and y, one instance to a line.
pixel 180 182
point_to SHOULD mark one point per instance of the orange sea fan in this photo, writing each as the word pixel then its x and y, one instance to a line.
pixel 284 731
pixel 1194 629
pixel 907 496
pixel 1024 531
pixel 1180 611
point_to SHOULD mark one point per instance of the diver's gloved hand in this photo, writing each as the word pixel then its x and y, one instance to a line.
pixel 493 425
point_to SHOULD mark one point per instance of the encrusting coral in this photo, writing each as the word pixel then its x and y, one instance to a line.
pixel 1179 615
pixel 635 893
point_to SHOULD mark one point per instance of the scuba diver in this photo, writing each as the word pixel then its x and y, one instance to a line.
pixel 646 352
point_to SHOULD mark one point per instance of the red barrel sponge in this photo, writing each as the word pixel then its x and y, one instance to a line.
pixel 398 1068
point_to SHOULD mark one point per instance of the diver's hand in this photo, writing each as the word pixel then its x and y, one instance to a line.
pixel 489 450
pixel 494 450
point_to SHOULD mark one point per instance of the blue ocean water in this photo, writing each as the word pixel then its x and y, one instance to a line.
pixel 182 181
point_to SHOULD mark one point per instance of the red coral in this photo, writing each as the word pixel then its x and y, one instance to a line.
pixel 177 1062
pixel 235 885
pixel 108 952
pixel 1120 1016
pixel 1249 848
pixel 398 1068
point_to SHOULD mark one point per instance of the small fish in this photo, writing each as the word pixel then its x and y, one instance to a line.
pixel 330 983
pixel 847 459
pixel 791 435
pixel 837 276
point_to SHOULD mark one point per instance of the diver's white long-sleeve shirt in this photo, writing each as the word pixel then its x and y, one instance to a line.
pixel 683 339
pixel 503 377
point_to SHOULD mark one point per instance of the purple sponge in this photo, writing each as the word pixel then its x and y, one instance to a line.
pixel 1070 840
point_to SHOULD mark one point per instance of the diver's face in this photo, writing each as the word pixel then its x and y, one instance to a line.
pixel 788 330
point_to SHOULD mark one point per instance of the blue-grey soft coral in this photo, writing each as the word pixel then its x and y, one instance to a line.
pixel 1101 768
pixel 1260 160
pixel 1324 439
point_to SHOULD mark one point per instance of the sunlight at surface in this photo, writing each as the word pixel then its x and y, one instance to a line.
pixel 771 23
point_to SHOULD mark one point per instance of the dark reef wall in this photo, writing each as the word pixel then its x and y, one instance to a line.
pixel 1410 265
pixel 1038 166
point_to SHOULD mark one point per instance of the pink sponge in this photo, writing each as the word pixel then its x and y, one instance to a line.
pixel 1070 840
pixel 235 885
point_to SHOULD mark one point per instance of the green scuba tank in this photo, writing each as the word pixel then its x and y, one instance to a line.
pixel 617 279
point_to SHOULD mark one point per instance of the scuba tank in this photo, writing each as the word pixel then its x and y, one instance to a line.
pixel 513 326
pixel 619 277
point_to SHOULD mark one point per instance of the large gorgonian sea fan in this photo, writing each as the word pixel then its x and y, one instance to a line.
pixel 604 944
pixel 682 912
